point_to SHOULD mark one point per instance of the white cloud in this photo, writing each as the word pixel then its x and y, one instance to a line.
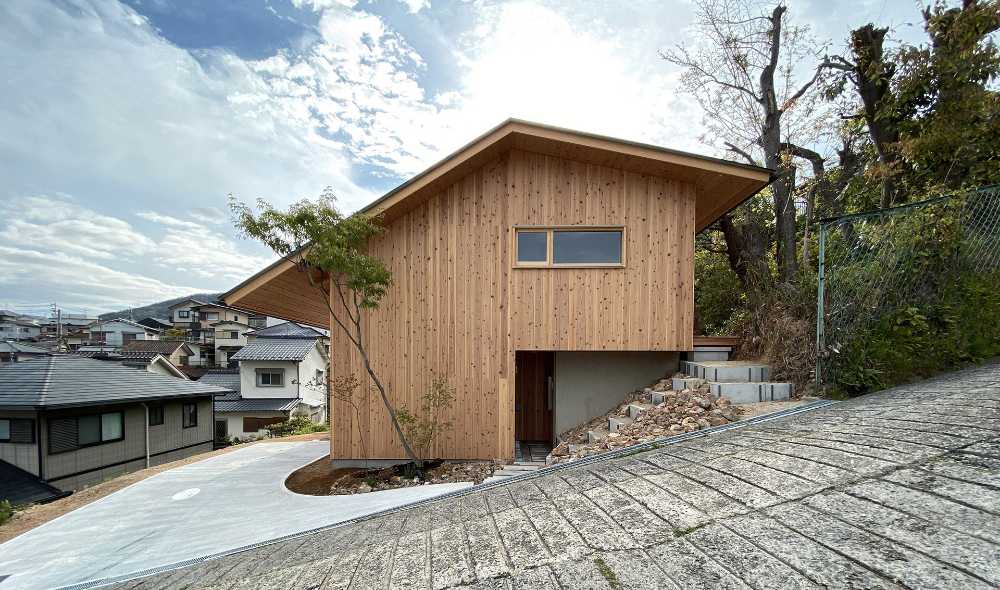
pixel 416 6
pixel 167 220
pixel 207 255
pixel 80 283
pixel 60 223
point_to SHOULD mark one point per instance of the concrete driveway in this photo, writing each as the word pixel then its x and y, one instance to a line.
pixel 218 504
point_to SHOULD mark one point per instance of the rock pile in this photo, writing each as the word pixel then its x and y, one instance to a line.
pixel 680 411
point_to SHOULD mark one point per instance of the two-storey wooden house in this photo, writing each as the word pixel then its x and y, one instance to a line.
pixel 544 272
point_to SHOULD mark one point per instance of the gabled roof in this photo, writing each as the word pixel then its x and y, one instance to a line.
pixel 720 185
pixel 225 322
pixel 166 347
pixel 69 380
pixel 289 330
pixel 156 323
pixel 275 350
pixel 147 360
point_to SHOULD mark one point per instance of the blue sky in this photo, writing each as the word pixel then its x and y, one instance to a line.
pixel 127 124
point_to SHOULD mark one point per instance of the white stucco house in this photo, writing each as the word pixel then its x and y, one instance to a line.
pixel 279 376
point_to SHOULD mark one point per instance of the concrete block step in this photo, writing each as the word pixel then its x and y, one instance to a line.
pixel 749 393
pixel 615 423
pixel 596 435
pixel 682 383
pixel 710 353
pixel 727 371
pixel 636 408
pixel 658 397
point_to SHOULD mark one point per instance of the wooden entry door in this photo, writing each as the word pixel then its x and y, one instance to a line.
pixel 532 396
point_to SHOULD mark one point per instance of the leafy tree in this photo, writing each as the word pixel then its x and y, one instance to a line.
pixel 329 248
pixel 425 428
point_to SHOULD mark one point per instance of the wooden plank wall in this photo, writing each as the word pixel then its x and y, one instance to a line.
pixel 444 314
pixel 458 308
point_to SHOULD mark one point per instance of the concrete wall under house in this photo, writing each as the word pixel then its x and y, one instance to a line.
pixel 589 383
pixel 22 455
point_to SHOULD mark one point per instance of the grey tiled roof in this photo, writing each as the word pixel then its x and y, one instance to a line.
pixel 222 378
pixel 241 404
pixel 164 347
pixel 289 330
pixel 20 347
pixel 70 380
pixel 275 349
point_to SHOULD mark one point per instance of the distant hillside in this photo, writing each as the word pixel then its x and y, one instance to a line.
pixel 157 310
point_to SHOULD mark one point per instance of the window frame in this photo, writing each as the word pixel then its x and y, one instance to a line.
pixel 184 415
pixel 100 436
pixel 262 370
pixel 11 440
pixel 159 409
pixel 183 314
pixel 549 230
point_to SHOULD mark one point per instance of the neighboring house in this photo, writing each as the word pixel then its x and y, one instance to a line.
pixel 119 332
pixel 72 421
pixel 65 324
pixel 15 326
pixel 278 378
pixel 12 351
pixel 176 351
pixel 157 323
pixel 230 337
pixel 184 316
pixel 236 417
pixel 544 272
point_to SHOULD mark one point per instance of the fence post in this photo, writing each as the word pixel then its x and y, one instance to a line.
pixel 820 320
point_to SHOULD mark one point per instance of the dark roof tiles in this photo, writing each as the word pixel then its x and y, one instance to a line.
pixel 70 380
pixel 274 349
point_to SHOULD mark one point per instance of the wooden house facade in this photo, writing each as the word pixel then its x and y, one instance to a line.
pixel 531 268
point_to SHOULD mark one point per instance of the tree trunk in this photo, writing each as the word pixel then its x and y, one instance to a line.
pixel 873 76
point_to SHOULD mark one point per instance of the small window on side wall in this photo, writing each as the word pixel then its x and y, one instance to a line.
pixel 570 247
pixel 270 377
pixel 155 414
pixel 189 415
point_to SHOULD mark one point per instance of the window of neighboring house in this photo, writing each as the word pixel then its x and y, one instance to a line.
pixel 270 377
pixel 17 430
pixel 184 314
pixel 319 376
pixel 569 246
pixel 234 334
pixel 75 432
pixel 155 414
pixel 128 336
pixel 211 315
pixel 190 415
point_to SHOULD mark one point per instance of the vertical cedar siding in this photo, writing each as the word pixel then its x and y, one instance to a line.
pixel 458 308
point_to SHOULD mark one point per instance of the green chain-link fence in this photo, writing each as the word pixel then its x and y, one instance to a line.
pixel 894 282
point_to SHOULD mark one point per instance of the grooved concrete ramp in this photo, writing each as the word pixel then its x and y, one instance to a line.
pixel 897 489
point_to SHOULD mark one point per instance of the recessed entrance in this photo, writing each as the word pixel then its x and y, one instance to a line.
pixel 533 396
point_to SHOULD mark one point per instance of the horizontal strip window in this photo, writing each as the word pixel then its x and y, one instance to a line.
pixel 17 431
pixel 77 432
pixel 569 246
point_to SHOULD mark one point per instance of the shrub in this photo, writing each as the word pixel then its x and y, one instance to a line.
pixel 6 511
pixel 424 429
pixel 296 425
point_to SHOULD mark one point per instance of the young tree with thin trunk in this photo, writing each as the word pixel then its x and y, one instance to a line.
pixel 329 248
